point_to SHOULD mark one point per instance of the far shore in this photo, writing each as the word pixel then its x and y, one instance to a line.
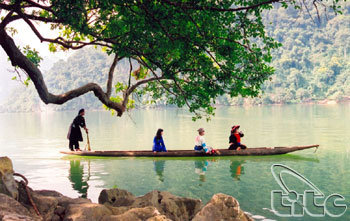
pixel 48 109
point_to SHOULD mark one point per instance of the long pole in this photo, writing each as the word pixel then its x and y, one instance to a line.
pixel 88 142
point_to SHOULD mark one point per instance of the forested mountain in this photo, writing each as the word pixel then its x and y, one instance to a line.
pixel 314 62
pixel 312 65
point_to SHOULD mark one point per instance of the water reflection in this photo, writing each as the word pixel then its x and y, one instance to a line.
pixel 76 176
pixel 159 166
pixel 237 169
pixel 201 166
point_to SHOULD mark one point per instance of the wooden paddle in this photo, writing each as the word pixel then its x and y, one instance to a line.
pixel 88 143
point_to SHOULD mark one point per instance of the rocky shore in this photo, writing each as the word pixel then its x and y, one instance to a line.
pixel 19 202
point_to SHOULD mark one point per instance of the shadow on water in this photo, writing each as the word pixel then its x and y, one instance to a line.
pixel 76 177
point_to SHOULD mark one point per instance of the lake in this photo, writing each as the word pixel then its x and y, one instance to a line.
pixel 33 142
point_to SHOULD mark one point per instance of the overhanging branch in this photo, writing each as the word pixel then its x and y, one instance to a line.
pixel 18 59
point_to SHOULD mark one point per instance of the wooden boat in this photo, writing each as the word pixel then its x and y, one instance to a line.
pixel 191 153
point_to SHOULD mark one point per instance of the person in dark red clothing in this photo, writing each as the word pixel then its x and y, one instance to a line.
pixel 235 139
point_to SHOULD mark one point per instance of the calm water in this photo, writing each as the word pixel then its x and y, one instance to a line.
pixel 33 141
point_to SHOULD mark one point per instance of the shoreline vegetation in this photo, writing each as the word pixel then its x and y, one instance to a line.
pixel 50 108
pixel 20 202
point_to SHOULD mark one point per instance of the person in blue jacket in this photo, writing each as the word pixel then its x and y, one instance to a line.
pixel 158 142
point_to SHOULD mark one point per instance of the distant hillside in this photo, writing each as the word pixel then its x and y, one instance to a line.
pixel 312 65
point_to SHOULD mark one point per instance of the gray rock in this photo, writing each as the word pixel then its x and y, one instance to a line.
pixel 45 204
pixel 174 207
pixel 63 201
pixel 117 210
pixel 66 201
pixel 86 211
pixel 48 202
pixel 10 209
pixel 49 193
pixel 60 211
pixel 135 214
pixel 116 197
pixel 16 217
pixel 221 207
pixel 8 184
pixel 56 218
pixel 159 218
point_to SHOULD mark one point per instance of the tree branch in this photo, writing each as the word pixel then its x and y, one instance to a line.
pixel 59 40
pixel 110 76
pixel 37 5
pixel 156 76
pixel 206 8
pixel 8 18
pixel 133 87
pixel 18 59
pixel 182 92
pixel 6 7
pixel 130 72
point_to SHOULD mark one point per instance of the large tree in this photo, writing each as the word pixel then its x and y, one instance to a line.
pixel 188 52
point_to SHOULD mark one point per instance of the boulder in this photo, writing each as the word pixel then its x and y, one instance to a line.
pixel 8 184
pixel 116 197
pixel 174 207
pixel 86 211
pixel 51 204
pixel 158 218
pixel 16 217
pixel 63 201
pixel 46 205
pixel 221 207
pixel 60 211
pixel 117 210
pixel 135 214
pixel 10 209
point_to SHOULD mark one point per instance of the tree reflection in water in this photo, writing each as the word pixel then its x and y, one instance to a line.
pixel 76 176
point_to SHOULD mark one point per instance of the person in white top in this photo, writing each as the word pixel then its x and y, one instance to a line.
pixel 200 145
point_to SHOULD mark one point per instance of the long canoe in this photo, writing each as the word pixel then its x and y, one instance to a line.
pixel 191 153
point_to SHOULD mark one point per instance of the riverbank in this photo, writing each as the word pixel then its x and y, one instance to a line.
pixel 20 202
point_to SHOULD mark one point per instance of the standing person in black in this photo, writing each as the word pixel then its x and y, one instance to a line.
pixel 74 134
pixel 235 139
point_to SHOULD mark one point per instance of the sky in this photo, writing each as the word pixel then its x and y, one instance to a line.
pixel 26 37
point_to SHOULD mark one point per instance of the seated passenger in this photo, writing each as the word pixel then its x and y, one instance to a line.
pixel 235 139
pixel 158 142
pixel 200 145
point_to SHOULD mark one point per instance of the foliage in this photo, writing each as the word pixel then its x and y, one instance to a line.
pixel 192 52
pixel 312 64
pixel 195 53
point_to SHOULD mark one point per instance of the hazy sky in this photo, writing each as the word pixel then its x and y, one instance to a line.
pixel 26 37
